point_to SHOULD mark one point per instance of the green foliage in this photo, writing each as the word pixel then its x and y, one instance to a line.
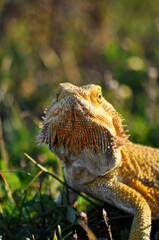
pixel 71 215
pixel 38 216
pixel 114 44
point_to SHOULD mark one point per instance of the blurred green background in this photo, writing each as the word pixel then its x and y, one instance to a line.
pixel 111 43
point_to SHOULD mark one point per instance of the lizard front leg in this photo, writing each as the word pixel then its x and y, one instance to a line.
pixel 126 198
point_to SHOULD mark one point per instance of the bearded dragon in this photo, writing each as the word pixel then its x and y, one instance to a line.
pixel 86 133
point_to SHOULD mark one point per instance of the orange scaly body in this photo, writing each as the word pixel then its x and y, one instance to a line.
pixel 87 135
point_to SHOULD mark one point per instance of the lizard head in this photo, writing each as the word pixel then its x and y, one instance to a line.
pixel 83 129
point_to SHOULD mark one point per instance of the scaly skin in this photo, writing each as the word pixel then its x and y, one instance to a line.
pixel 87 135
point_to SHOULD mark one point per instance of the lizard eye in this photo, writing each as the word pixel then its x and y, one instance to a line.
pixel 99 95
pixel 57 96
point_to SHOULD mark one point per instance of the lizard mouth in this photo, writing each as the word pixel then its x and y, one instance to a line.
pixel 76 124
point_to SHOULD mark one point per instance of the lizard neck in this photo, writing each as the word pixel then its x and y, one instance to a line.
pixel 88 165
